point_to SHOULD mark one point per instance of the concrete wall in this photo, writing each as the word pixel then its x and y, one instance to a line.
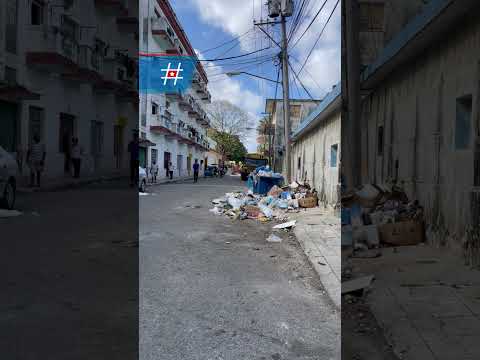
pixel 416 105
pixel 61 96
pixel 313 152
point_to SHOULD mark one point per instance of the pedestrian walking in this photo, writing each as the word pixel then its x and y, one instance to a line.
pixel 196 168
pixel 154 171
pixel 36 160
pixel 76 157
pixel 133 149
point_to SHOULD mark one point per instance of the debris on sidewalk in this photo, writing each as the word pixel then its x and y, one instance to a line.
pixel 273 202
pixel 357 285
pixel 286 225
pixel 381 214
pixel 274 238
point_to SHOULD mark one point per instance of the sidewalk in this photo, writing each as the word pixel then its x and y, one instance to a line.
pixel 67 182
pixel 426 301
pixel 318 232
pixel 168 181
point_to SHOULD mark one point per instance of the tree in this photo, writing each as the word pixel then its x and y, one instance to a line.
pixel 228 118
pixel 230 146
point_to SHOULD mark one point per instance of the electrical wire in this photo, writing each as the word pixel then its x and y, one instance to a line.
pixel 235 57
pixel 319 36
pixel 226 43
pixel 300 81
pixel 311 23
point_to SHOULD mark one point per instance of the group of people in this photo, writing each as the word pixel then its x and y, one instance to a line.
pixel 152 171
pixel 37 154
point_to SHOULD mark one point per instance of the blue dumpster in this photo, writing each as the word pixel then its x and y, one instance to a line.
pixel 265 183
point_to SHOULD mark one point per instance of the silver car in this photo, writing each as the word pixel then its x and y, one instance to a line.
pixel 8 179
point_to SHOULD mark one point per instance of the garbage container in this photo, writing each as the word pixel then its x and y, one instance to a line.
pixel 265 183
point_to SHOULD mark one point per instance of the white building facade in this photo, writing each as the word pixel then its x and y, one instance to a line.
pixel 67 70
pixel 174 124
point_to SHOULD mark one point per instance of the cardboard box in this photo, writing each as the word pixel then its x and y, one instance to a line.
pixel 402 233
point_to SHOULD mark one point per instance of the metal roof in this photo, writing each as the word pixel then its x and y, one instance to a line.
pixel 329 103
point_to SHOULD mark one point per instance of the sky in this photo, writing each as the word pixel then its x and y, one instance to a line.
pixel 210 23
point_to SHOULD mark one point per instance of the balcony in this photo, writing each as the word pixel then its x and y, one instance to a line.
pixel 51 51
pixel 184 103
pixel 162 33
pixel 112 7
pixel 90 66
pixel 163 125
pixel 207 97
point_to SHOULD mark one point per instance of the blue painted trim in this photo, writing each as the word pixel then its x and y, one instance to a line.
pixel 327 101
pixel 407 34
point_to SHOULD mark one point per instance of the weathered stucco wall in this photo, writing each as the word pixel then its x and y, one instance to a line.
pixel 313 153
pixel 417 107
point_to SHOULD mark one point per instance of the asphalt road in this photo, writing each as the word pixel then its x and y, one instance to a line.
pixel 212 288
pixel 69 275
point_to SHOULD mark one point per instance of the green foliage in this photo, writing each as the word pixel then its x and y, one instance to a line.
pixel 229 145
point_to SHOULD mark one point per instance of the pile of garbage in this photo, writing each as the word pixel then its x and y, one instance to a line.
pixel 377 214
pixel 276 204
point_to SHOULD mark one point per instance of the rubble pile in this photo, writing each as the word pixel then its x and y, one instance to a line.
pixel 376 215
pixel 275 205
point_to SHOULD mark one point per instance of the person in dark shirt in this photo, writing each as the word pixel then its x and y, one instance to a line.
pixel 133 149
pixel 196 168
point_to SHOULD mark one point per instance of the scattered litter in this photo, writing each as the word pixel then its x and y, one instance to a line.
pixel 266 199
pixel 9 213
pixel 286 225
pixel 359 284
pixel 274 238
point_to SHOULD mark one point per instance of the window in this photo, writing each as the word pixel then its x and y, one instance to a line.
pixel 371 17
pixel 333 155
pixel 36 13
pixel 66 131
pixel 143 135
pixel 157 13
pixel 295 111
pixel 463 123
pixel 96 138
pixel 154 109
pixel 154 156
pixel 380 140
pixel 35 126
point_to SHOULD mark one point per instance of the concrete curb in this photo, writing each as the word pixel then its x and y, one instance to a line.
pixel 70 184
pixel 321 261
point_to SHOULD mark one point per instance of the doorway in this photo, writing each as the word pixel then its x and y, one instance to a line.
pixel 179 164
pixel 167 158
pixel 189 164
pixel 8 126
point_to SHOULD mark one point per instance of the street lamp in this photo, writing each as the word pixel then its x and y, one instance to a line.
pixel 236 73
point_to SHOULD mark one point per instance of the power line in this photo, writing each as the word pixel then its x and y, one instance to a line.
pixel 225 43
pixel 311 23
pixel 319 36
pixel 300 81
pixel 235 57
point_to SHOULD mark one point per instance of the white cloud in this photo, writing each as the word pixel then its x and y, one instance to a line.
pixel 235 18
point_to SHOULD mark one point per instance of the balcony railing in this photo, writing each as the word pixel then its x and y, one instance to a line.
pixel 52 50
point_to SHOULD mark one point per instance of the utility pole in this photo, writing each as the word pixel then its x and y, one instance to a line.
pixel 283 9
pixel 351 122
pixel 286 101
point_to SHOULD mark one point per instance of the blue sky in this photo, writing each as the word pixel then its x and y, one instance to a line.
pixel 209 23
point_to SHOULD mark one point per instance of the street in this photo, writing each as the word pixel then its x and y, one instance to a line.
pixel 213 288
pixel 69 270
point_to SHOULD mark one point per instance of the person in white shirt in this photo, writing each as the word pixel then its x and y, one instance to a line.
pixel 154 171
pixel 36 160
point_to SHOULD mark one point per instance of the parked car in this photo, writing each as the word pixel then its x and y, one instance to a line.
pixel 8 179
pixel 142 179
